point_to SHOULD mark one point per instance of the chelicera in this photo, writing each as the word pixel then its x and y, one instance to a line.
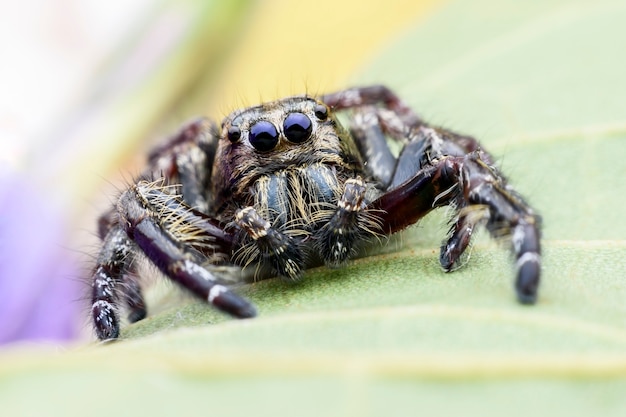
pixel 283 186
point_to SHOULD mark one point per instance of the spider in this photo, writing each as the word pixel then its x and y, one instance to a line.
pixel 282 186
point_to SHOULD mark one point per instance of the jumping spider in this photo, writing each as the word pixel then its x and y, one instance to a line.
pixel 283 186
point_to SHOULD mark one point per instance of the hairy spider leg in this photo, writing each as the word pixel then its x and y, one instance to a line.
pixel 335 240
pixel 371 142
pixel 178 259
pixel 375 95
pixel 513 217
pixel 113 268
pixel 427 145
pixel 188 157
pixel 134 300
pixel 509 216
pixel 278 249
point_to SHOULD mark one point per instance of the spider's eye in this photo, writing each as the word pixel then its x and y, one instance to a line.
pixel 297 127
pixel 263 136
pixel 234 133
pixel 321 112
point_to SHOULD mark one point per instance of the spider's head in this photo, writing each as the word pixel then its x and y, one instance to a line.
pixel 274 136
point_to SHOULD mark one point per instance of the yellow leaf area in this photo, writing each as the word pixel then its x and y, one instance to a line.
pixel 289 47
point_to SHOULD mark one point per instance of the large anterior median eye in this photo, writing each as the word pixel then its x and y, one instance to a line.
pixel 263 136
pixel 297 127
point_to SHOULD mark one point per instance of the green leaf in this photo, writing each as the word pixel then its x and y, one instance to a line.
pixel 541 84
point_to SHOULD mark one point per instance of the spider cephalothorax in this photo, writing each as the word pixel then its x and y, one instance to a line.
pixel 283 186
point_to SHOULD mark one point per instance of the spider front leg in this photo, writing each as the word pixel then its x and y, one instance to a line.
pixel 178 239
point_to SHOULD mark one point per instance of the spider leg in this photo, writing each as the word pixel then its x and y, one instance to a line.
pixel 337 237
pixel 469 181
pixel 370 126
pixel 187 158
pixel 461 231
pixel 509 216
pixel 372 143
pixel 376 95
pixel 281 251
pixel 416 197
pixel 108 273
pixel 176 239
pixel 134 300
pixel 378 113
pixel 430 144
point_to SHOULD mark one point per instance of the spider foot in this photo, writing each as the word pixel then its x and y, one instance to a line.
pixel 453 250
pixel 231 303
pixel 106 322
pixel 104 315
pixel 528 262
